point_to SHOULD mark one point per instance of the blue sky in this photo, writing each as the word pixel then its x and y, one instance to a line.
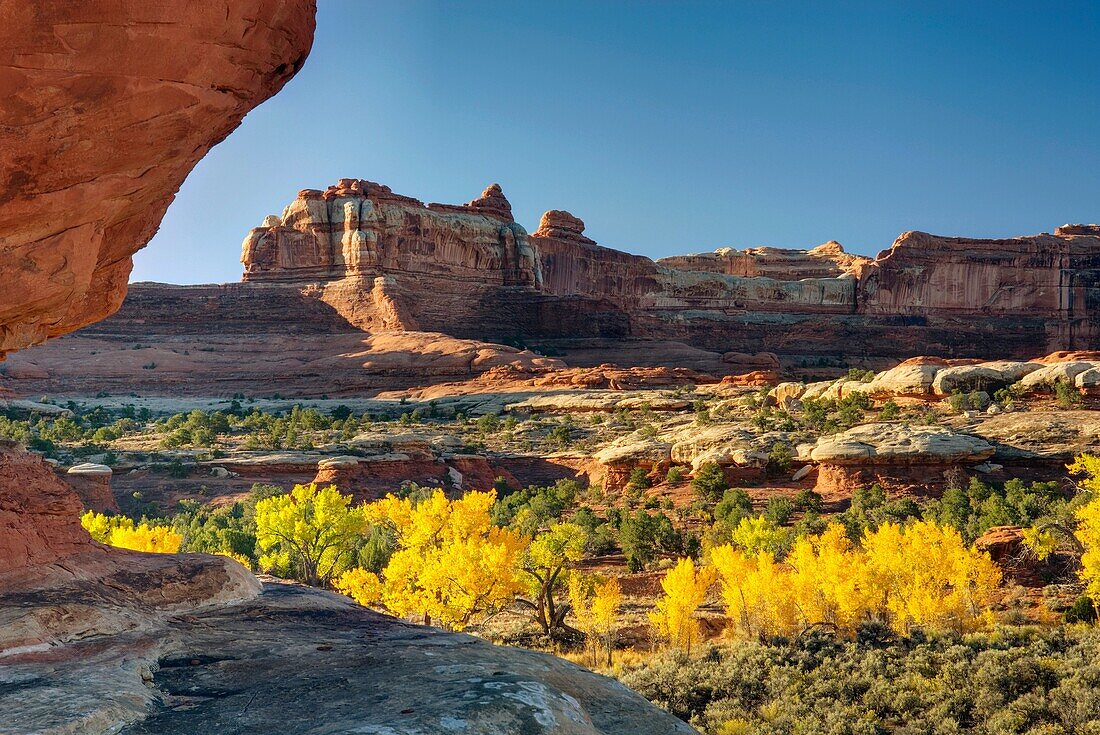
pixel 674 127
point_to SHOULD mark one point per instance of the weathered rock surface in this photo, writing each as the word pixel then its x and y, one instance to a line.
pixel 228 349
pixel 883 443
pixel 92 483
pixel 986 376
pixel 1045 378
pixel 99 127
pixel 728 445
pixel 39 513
pixel 1041 435
pixel 824 261
pixel 902 459
pixel 614 463
pixel 913 377
pixel 295 659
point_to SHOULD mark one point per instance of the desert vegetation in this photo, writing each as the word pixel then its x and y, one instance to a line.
pixel 841 611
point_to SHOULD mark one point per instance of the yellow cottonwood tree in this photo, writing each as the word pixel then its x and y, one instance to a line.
pixel 546 562
pixel 685 590
pixel 122 532
pixel 361 585
pixel 756 592
pixel 1088 533
pixel 1089 466
pixel 758 534
pixel 596 606
pixel 929 577
pixel 310 533
pixel 920 575
pixel 451 564
pixel 830 583
pixel 1083 535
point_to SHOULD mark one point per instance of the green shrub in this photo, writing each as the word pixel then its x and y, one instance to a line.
pixel 1083 610
pixel 779 458
pixel 709 482
pixel 1012 682
pixel 779 510
pixel 808 500
pixel 1066 395
pixel 639 479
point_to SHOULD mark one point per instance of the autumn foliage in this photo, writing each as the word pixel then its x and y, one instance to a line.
pixel 451 563
pixel 311 533
pixel 595 605
pixel 685 590
pixel 122 532
pixel 922 575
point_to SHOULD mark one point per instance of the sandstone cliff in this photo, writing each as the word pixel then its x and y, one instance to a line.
pixel 385 261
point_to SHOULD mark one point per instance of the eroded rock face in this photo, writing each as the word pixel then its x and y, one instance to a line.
pixel 824 261
pixel 383 250
pixel 903 459
pixel 100 126
pixel 883 443
pixel 92 483
pixel 39 513
pixel 470 270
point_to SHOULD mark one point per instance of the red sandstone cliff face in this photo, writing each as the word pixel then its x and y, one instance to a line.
pixel 99 126
pixel 386 261
pixel 924 273
pixel 824 261
pixel 389 261
pixel 574 265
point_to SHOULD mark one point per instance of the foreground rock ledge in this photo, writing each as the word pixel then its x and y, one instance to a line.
pixel 299 660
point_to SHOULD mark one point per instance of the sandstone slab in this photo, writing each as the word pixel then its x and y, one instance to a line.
pixel 884 443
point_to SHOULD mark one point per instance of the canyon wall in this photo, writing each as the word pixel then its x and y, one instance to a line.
pixel 385 261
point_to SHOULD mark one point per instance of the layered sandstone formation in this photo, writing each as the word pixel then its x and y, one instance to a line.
pixel 385 261
pixel 902 459
pixel 92 483
pixel 407 295
pixel 363 234
pixel 824 261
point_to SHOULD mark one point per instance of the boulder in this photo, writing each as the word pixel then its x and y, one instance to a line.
pixel 729 445
pixel 1045 377
pixel 1088 381
pixel 784 395
pixel 986 376
pixel 615 462
pixel 912 378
